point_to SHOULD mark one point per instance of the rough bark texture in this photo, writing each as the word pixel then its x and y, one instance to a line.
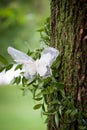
pixel 69 35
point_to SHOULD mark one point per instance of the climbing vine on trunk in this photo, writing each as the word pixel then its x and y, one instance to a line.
pixel 69 35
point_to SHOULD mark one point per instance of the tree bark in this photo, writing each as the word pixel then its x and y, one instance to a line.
pixel 69 35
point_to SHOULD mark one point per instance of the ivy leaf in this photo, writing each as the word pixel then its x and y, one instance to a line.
pixel 82 127
pixel 8 67
pixel 46 120
pixel 62 93
pixel 43 107
pixel 19 66
pixel 40 30
pixel 55 102
pixel 60 110
pixel 29 52
pixel 68 111
pixel 74 112
pixel 24 80
pixel 57 120
pixel 37 106
pixel 60 85
pixel 16 80
pixel 31 81
pixel 38 99
pixel 2 68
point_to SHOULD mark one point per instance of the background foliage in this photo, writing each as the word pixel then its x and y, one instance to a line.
pixel 16 110
pixel 19 22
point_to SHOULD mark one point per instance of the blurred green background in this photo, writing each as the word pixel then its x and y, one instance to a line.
pixel 16 111
pixel 19 22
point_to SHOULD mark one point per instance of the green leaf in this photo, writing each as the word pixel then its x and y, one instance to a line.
pixel 19 66
pixel 43 107
pixel 29 52
pixel 68 111
pixel 55 102
pixel 38 99
pixel 45 99
pixel 46 120
pixel 8 67
pixel 60 110
pixel 57 120
pixel 82 128
pixel 62 93
pixel 40 30
pixel 24 80
pixel 60 85
pixel 31 81
pixel 16 80
pixel 37 106
pixel 2 68
pixel 49 113
pixel 74 112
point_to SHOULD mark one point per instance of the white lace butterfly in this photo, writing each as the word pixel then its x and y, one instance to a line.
pixel 40 66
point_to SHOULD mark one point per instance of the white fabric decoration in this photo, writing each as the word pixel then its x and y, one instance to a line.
pixel 7 77
pixel 40 66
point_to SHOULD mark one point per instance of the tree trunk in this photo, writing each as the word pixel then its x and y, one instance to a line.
pixel 69 35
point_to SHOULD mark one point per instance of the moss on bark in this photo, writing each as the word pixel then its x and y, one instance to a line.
pixel 69 35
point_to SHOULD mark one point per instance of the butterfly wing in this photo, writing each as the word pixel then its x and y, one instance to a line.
pixel 29 67
pixel 42 68
pixel 18 56
pixel 48 56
